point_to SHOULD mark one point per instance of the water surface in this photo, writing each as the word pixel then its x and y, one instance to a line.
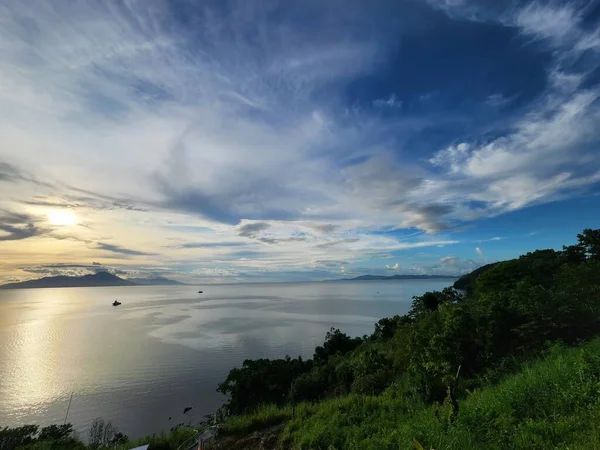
pixel 165 348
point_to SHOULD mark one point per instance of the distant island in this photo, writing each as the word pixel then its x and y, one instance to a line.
pixel 93 280
pixel 158 281
pixel 397 277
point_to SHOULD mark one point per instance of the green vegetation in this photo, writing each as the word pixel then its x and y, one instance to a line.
pixel 467 282
pixel 400 387
pixel 553 403
pixel 103 436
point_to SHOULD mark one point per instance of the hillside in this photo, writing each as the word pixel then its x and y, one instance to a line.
pixel 467 282
pixel 99 279
pixel 429 379
pixel 93 280
pixel 157 281
pixel 397 277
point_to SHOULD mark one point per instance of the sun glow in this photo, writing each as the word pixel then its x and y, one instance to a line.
pixel 61 217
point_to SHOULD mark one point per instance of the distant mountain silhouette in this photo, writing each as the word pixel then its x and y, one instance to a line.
pixel 158 281
pixel 396 277
pixel 97 279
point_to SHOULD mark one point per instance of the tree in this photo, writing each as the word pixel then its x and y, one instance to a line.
pixel 336 342
pixel 11 438
pixel 589 241
pixel 260 381
pixel 431 301
pixel 56 432
pixel 386 328
pixel 104 434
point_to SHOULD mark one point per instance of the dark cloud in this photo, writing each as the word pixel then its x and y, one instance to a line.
pixel 120 250
pixel 428 217
pixel 8 172
pixel 240 193
pixel 330 263
pixel 229 208
pixel 250 230
pixel 211 244
pixel 269 240
pixel 83 197
pixel 325 227
pixel 338 242
pixel 11 173
pixel 64 237
pixel 50 204
pixel 17 226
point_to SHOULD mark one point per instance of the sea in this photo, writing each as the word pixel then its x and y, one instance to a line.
pixel 165 348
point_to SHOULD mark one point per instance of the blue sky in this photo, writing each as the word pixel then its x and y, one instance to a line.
pixel 243 141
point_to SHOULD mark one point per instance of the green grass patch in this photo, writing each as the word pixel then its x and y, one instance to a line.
pixel 264 416
pixel 552 403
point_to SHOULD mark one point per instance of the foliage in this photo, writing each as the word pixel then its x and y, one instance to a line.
pixel 105 437
pixel 510 311
pixel 467 282
pixel 163 441
pixel 103 434
pixel 551 403
pixel 260 381
pixel 11 438
pixel 386 328
pixel 336 343
pixel 46 438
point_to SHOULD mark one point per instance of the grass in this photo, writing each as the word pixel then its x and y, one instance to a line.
pixel 163 441
pixel 263 417
pixel 553 403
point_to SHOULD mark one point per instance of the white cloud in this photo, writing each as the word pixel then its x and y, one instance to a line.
pixel 549 153
pixel 394 267
pixel 479 251
pixel 173 140
pixel 492 239
pixel 549 21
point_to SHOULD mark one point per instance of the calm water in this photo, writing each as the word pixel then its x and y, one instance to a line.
pixel 165 348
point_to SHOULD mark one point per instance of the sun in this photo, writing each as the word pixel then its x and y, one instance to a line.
pixel 61 217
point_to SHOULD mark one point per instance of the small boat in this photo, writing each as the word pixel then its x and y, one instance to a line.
pixel 200 292
pixel 116 303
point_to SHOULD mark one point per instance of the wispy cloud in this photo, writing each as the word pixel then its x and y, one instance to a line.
pixel 15 227
pixel 211 244
pixel 391 102
pixel 242 144
pixel 120 250
pixel 492 239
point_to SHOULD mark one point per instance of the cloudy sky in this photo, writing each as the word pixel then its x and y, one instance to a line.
pixel 236 141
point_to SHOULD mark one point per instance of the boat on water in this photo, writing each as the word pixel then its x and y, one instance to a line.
pixel 116 303
pixel 200 292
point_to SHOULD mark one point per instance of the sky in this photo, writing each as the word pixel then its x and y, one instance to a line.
pixel 232 141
